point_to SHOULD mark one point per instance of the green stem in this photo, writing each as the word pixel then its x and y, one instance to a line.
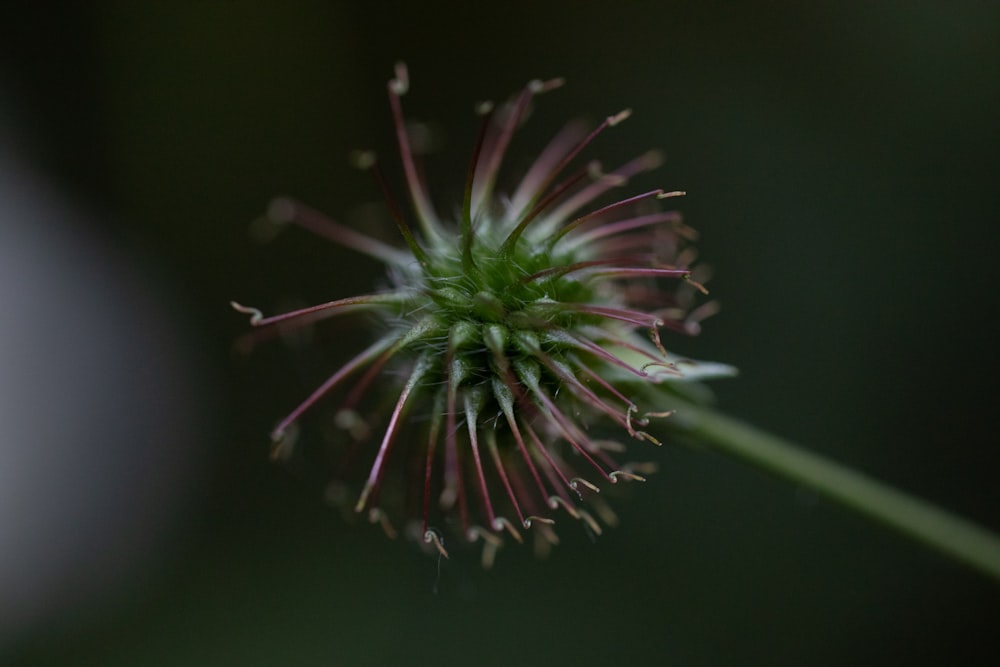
pixel 952 535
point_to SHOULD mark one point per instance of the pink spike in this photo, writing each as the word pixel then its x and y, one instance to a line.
pixel 531 185
pixel 491 444
pixel 354 396
pixel 511 241
pixel 454 487
pixel 396 212
pixel 512 238
pixel 338 307
pixel 636 272
pixel 398 87
pixel 485 110
pixel 512 423
pixel 432 438
pixel 564 425
pixel 601 211
pixel 284 211
pixel 357 362
pixel 616 178
pixel 641 241
pixel 471 418
pixel 622 226
pixel 495 150
pixel 601 381
pixel 552 464
pixel 598 351
pixel 583 392
pixel 375 476
pixel 635 317
pixel 623 342
pixel 610 121
pixel 558 271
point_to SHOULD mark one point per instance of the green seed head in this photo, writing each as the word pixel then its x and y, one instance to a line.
pixel 505 338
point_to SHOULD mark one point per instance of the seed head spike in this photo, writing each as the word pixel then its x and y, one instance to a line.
pixel 503 334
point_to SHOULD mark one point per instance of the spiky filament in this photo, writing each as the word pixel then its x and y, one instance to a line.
pixel 423 365
pixel 485 110
pixel 284 211
pixel 504 333
pixel 515 234
pixel 397 87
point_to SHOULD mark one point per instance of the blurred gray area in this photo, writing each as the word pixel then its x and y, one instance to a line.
pixel 99 406
pixel 841 164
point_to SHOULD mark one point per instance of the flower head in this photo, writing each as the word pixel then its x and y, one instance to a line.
pixel 506 336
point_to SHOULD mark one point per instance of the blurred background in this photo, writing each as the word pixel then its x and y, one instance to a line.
pixel 841 161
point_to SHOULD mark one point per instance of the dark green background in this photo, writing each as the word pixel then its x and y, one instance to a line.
pixel 842 164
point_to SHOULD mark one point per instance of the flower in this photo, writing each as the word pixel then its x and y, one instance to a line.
pixel 505 338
